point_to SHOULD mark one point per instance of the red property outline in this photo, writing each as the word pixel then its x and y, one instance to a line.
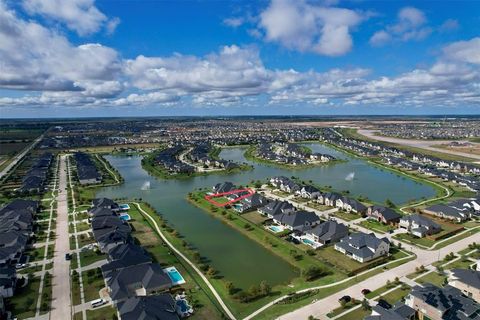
pixel 221 194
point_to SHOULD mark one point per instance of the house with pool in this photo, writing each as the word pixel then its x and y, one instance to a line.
pixel 297 220
pixel 276 207
pixel 322 234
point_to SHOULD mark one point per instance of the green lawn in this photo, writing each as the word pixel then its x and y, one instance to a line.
pixel 376 226
pixel 23 303
pixel 101 313
pixel 396 295
pixel 46 294
pixel 433 278
pixel 254 217
pixel 346 216
pixel 75 281
pixel 92 283
pixel 90 256
pixel 356 314
pixel 342 309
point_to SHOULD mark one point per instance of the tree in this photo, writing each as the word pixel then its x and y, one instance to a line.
pixel 265 288
pixel 230 287
pixel 313 272
pixel 196 257
pixel 389 203
pixel 365 304
pixel 211 272
pixel 254 291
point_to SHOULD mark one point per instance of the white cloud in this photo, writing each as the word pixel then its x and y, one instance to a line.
pixel 234 22
pixel 410 25
pixel 464 51
pixel 233 69
pixel 380 38
pixel 449 25
pixel 54 72
pixel 35 58
pixel 82 16
pixel 305 27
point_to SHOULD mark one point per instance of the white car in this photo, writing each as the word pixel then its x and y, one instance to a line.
pixel 97 303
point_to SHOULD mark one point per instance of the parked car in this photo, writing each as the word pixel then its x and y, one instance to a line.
pixel 384 304
pixel 97 303
pixel 366 291
pixel 345 299
pixel 68 256
pixel 20 265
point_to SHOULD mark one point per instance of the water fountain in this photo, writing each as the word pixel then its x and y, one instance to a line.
pixel 350 176
pixel 146 185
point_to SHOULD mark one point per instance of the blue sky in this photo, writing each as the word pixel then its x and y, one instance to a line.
pixel 102 58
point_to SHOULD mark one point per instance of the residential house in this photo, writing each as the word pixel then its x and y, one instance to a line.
pixel 8 281
pixel 327 232
pixel 308 192
pixel 105 203
pixel 223 187
pixel 156 307
pixel 467 281
pixel 419 225
pixel 383 214
pixel 125 255
pixel 329 198
pixel 363 247
pixel 350 205
pixel 276 207
pixel 432 302
pixel 447 212
pixel 138 280
pixel 253 202
pixel 12 245
pixel 297 220
pixel 399 311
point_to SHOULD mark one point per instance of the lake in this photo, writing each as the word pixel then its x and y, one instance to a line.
pixel 236 257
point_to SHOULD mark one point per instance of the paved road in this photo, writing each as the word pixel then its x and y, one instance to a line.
pixel 19 156
pixel 423 144
pixel 321 307
pixel 61 304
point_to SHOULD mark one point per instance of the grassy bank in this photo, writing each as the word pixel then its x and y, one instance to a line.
pixel 250 155
pixel 149 165
pixel 300 256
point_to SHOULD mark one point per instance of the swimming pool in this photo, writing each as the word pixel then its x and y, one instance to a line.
pixel 183 305
pixel 125 217
pixel 275 228
pixel 307 241
pixel 124 206
pixel 174 275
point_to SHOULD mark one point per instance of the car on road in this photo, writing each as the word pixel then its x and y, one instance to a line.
pixel 68 256
pixel 345 299
pixel 366 291
pixel 20 265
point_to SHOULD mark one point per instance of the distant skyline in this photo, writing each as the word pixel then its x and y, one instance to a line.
pixel 90 58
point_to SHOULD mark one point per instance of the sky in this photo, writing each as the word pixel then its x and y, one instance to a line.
pixel 90 58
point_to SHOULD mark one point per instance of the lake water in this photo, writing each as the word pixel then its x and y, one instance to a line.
pixel 236 257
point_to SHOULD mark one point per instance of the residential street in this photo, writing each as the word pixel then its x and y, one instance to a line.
pixel 321 307
pixel 61 304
